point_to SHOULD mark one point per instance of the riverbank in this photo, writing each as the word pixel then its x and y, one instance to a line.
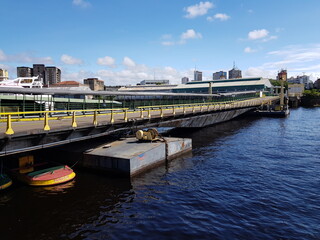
pixel 311 98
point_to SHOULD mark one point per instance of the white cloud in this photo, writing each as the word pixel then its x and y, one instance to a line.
pixel 128 62
pixel 106 61
pixel 133 75
pixel 219 16
pixel 44 60
pixel 24 58
pixel 198 9
pixel 168 43
pixel 3 56
pixel 76 76
pixel 300 53
pixel 81 3
pixel 166 36
pixel 260 72
pixel 66 59
pixel 295 58
pixel 249 50
pixel 258 34
pixel 269 38
pixel 190 34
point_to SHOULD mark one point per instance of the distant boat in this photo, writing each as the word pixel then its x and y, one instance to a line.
pixel 22 82
pixel 5 181
pixel 45 176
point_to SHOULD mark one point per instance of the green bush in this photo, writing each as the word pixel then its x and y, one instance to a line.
pixel 313 93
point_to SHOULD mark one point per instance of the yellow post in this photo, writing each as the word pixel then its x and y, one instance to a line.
pixel 125 118
pixel 95 118
pixel 173 111
pixel 112 117
pixel 46 126
pixel 201 108
pixel 161 112
pixel 74 123
pixel 193 109
pixel 9 126
pixel 149 113
pixel 26 164
pixel 184 109
pixel 141 114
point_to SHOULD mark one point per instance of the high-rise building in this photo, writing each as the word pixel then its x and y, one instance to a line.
pixel 235 73
pixel 197 76
pixel 94 83
pixel 24 72
pixel 219 75
pixel 282 75
pixel 184 80
pixel 40 70
pixel 3 74
pixel 52 75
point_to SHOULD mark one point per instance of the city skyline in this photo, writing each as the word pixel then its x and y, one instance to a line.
pixel 125 42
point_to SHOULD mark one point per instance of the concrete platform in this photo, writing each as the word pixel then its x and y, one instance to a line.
pixel 131 157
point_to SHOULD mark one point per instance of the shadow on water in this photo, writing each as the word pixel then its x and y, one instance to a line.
pixel 201 138
pixel 204 136
pixel 48 212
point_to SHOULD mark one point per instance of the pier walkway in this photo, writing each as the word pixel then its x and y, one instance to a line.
pixel 30 130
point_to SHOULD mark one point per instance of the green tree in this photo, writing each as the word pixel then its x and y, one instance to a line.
pixel 277 83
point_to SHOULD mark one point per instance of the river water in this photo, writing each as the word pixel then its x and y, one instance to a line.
pixel 250 178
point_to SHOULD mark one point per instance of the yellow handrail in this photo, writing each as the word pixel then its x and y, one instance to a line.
pixel 44 115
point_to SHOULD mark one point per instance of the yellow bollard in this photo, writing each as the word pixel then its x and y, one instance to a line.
pixel 184 110
pixel 201 108
pixel 193 109
pixel 125 118
pixel 46 126
pixel 141 114
pixel 74 123
pixel 149 113
pixel 173 111
pixel 9 126
pixel 112 117
pixel 161 112
pixel 95 118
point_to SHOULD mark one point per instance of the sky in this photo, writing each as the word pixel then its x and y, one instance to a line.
pixel 126 41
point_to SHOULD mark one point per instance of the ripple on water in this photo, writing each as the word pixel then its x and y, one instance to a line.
pixel 245 179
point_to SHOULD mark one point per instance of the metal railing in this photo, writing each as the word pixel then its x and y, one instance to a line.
pixel 44 117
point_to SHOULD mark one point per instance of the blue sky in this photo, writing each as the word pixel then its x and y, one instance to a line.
pixel 126 41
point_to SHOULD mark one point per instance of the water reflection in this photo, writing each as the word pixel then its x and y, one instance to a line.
pixel 62 208
pixel 54 190
pixel 235 184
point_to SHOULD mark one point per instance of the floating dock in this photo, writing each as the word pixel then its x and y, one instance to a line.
pixel 130 156
pixel 272 113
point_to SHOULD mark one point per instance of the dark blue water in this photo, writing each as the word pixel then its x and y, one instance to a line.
pixel 245 179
